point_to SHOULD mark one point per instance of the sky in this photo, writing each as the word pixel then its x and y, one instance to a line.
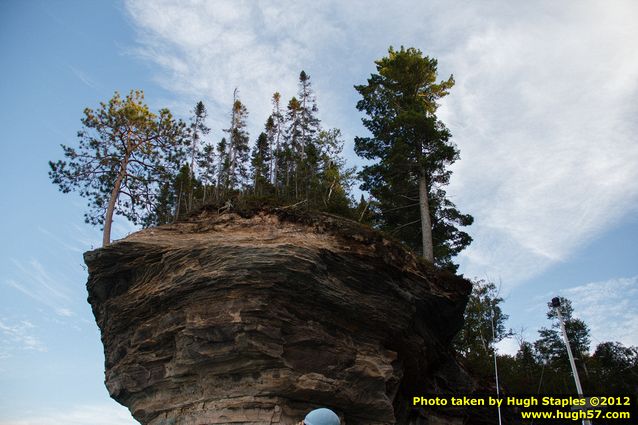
pixel 544 113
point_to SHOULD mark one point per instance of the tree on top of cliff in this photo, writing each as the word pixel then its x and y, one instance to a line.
pixel 237 174
pixel 124 149
pixel 414 152
pixel 260 164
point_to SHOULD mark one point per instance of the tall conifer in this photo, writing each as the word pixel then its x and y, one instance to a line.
pixel 414 151
pixel 238 145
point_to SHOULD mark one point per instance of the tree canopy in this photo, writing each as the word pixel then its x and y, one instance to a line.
pixel 124 150
pixel 153 169
pixel 542 366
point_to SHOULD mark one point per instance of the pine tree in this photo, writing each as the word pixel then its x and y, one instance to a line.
pixel 207 171
pixel 414 151
pixel 293 149
pixel 223 165
pixel 260 160
pixel 198 130
pixel 184 186
pixel 309 123
pixel 307 163
pixel 237 145
pixel 124 149
pixel 274 131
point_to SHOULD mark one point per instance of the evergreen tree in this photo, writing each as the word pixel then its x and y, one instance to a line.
pixel 293 148
pixel 184 186
pixel 124 149
pixel 414 151
pixel 274 131
pixel 307 111
pixel 260 161
pixel 198 130
pixel 223 164
pixel 165 206
pixel 237 145
pixel 208 171
pixel 308 157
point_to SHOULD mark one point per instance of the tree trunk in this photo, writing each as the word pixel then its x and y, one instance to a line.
pixel 426 222
pixel 115 193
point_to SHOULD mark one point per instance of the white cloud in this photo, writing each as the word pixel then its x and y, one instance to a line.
pixel 111 414
pixel 82 76
pixel 609 309
pixel 18 336
pixel 34 281
pixel 508 346
pixel 544 120
pixel 543 110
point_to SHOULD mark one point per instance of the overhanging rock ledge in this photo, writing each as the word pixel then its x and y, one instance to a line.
pixel 257 317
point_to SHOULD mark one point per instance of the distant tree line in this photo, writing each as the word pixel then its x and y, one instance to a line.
pixel 542 366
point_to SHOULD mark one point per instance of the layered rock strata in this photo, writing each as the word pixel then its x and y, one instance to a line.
pixel 255 318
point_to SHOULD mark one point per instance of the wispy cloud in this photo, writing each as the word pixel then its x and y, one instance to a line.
pixel 543 110
pixel 83 77
pixel 609 308
pixel 18 336
pixel 111 414
pixel 60 241
pixel 543 114
pixel 32 280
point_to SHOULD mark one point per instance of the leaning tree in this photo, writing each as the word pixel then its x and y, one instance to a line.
pixel 126 154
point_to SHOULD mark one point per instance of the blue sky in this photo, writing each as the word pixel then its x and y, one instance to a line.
pixel 543 111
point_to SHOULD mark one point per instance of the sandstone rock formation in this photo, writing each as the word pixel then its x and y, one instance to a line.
pixel 255 318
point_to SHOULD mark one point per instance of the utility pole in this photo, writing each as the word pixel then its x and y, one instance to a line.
pixel 498 392
pixel 556 304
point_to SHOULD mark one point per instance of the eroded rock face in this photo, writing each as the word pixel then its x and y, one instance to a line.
pixel 256 319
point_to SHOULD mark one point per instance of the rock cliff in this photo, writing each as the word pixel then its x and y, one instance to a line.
pixel 255 318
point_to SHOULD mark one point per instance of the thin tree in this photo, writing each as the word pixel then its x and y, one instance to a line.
pixel 260 161
pixel 237 144
pixel 198 130
pixel 308 121
pixel 274 131
pixel 223 166
pixel 124 149
pixel 207 169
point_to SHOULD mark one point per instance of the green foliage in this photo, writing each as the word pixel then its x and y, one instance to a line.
pixel 550 345
pixel 260 162
pixel 237 156
pixel 484 326
pixel 409 143
pixel 614 369
pixel 125 159
pixel 542 366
